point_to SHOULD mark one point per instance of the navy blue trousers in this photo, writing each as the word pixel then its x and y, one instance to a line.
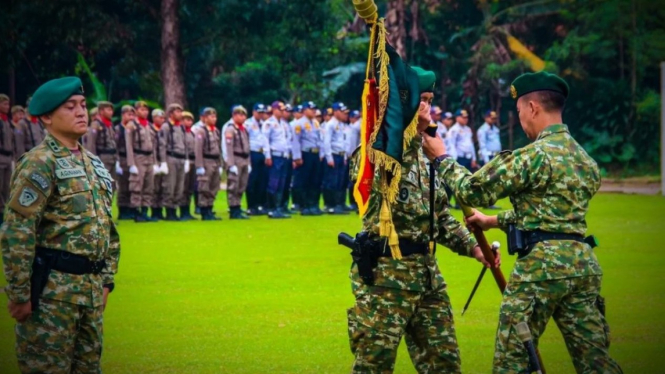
pixel 277 176
pixel 258 181
pixel 333 177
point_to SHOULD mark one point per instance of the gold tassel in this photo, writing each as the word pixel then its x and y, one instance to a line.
pixel 410 132
pixel 393 242
pixel 431 247
pixel 384 220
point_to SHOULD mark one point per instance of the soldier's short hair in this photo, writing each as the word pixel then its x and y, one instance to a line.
pixel 94 111
pixel 173 107
pixel 127 108
pixel 104 104
pixel 551 101
pixel 3 98
pixel 141 104
pixel 17 108
pixel 157 113
pixel 207 111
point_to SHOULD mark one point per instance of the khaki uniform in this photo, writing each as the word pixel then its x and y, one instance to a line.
pixel 6 159
pixel 140 153
pixel 100 140
pixel 174 151
pixel 123 180
pixel 237 145
pixel 60 201
pixel 19 139
pixel 209 157
pixel 160 185
pixel 34 133
pixel 190 177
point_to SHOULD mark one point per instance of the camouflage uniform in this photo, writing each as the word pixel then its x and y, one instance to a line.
pixel 409 296
pixel 550 183
pixel 60 201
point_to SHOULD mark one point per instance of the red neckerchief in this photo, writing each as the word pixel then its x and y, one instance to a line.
pixel 211 128
pixel 107 122
pixel 241 126
pixel 34 120
pixel 143 122
pixel 188 129
pixel 176 123
pixel 158 127
pixel 3 117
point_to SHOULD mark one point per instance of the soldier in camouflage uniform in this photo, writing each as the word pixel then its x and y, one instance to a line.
pixel 550 183
pixel 409 297
pixel 59 213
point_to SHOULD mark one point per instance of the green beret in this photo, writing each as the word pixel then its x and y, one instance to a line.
pixel 426 79
pixel 541 81
pixel 50 95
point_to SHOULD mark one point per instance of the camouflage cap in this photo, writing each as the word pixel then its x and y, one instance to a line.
pixel 127 108
pixel 17 108
pixel 173 107
pixel 157 113
pixel 188 115
pixel 50 95
pixel 104 104
pixel 141 104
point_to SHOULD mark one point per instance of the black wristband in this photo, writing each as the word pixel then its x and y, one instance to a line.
pixel 110 286
pixel 437 161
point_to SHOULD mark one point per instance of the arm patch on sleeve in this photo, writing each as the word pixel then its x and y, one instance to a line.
pixel 26 200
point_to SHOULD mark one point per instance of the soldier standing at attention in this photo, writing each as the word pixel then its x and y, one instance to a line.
pixel 237 161
pixel 18 113
pixel 208 166
pixel 460 138
pixel 550 183
pixel 60 248
pixel 160 171
pixel 258 176
pixel 35 132
pixel 127 115
pixel 409 296
pixel 334 151
pixel 285 119
pixel 278 159
pixel 489 139
pixel 295 191
pixel 101 138
pixel 190 175
pixel 141 161
pixel 305 149
pixel 352 142
pixel 172 139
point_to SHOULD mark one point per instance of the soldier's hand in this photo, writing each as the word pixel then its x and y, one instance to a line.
pixel 433 147
pixel 133 169
pixel 474 164
pixel 118 169
pixel 233 170
pixel 269 162
pixel 331 164
pixel 481 220
pixel 156 170
pixel 164 167
pixel 478 255
pixel 249 169
pixel 200 171
pixel 20 312
pixel 424 116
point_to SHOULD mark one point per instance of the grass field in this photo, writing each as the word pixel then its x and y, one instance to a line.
pixel 268 296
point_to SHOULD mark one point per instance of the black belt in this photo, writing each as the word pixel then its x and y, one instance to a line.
pixel 176 155
pixel 122 154
pixel 144 153
pixel 191 157
pixel 537 236
pixel 243 155
pixel 106 151
pixel 67 262
pixel 211 157
pixel 6 153
pixel 522 242
pixel 406 247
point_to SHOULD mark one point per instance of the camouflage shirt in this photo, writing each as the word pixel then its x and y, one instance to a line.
pixel 60 201
pixel 411 219
pixel 550 183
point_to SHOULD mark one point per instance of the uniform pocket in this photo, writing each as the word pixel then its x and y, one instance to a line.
pixel 135 183
pixel 75 198
pixel 202 183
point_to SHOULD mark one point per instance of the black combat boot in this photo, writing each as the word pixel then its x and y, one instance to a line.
pixel 184 214
pixel 208 215
pixel 144 213
pixel 236 213
pixel 277 212
pixel 171 215
pixel 157 213
pixel 138 216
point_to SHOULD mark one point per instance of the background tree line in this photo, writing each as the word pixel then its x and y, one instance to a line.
pixel 222 52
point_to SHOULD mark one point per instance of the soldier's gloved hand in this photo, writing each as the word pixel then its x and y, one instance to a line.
pixel 165 168
pixel 187 167
pixel 221 170
pixel 249 169
pixel 118 169
pixel 200 171
pixel 233 170
pixel 156 170
pixel 133 169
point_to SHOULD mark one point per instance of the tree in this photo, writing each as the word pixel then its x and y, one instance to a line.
pixel 171 69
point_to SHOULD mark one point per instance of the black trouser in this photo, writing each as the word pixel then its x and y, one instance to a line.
pixel 258 181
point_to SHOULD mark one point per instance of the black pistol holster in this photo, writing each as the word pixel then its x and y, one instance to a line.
pixel 47 259
pixel 522 242
pixel 362 254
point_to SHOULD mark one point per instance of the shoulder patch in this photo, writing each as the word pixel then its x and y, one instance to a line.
pixel 27 197
pixel 63 163
pixel 40 181
pixel 53 145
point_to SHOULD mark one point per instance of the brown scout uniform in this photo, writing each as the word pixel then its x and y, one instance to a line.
pixel 6 159
pixel 19 139
pixel 209 157
pixel 100 140
pixel 140 153
pixel 34 133
pixel 190 177
pixel 174 150
pixel 123 180
pixel 237 146
pixel 160 179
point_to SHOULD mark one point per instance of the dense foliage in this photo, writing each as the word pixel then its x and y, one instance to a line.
pixel 233 50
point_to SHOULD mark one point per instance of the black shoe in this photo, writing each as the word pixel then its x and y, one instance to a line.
pixel 184 214
pixel 144 213
pixel 197 210
pixel 125 213
pixel 157 213
pixel 171 215
pixel 236 213
pixel 139 216
pixel 278 214
pixel 260 211
pixel 338 210
pixel 208 215
pixel 306 212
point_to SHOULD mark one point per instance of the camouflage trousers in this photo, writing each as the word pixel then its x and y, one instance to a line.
pixel 381 316
pixel 60 337
pixel 572 304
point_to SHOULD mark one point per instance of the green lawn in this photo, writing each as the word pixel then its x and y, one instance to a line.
pixel 267 296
